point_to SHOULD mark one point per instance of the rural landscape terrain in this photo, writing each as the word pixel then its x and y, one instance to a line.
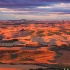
pixel 34 34
pixel 34 45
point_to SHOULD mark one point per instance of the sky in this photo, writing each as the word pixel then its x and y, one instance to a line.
pixel 35 9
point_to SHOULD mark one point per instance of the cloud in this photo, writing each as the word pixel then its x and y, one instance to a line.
pixel 35 8
pixel 20 3
pixel 60 5
pixel 35 11
pixel 29 2
pixel 53 0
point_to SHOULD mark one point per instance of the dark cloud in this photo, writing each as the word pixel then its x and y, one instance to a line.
pixel 29 2
pixel 20 3
pixel 53 0
pixel 32 7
